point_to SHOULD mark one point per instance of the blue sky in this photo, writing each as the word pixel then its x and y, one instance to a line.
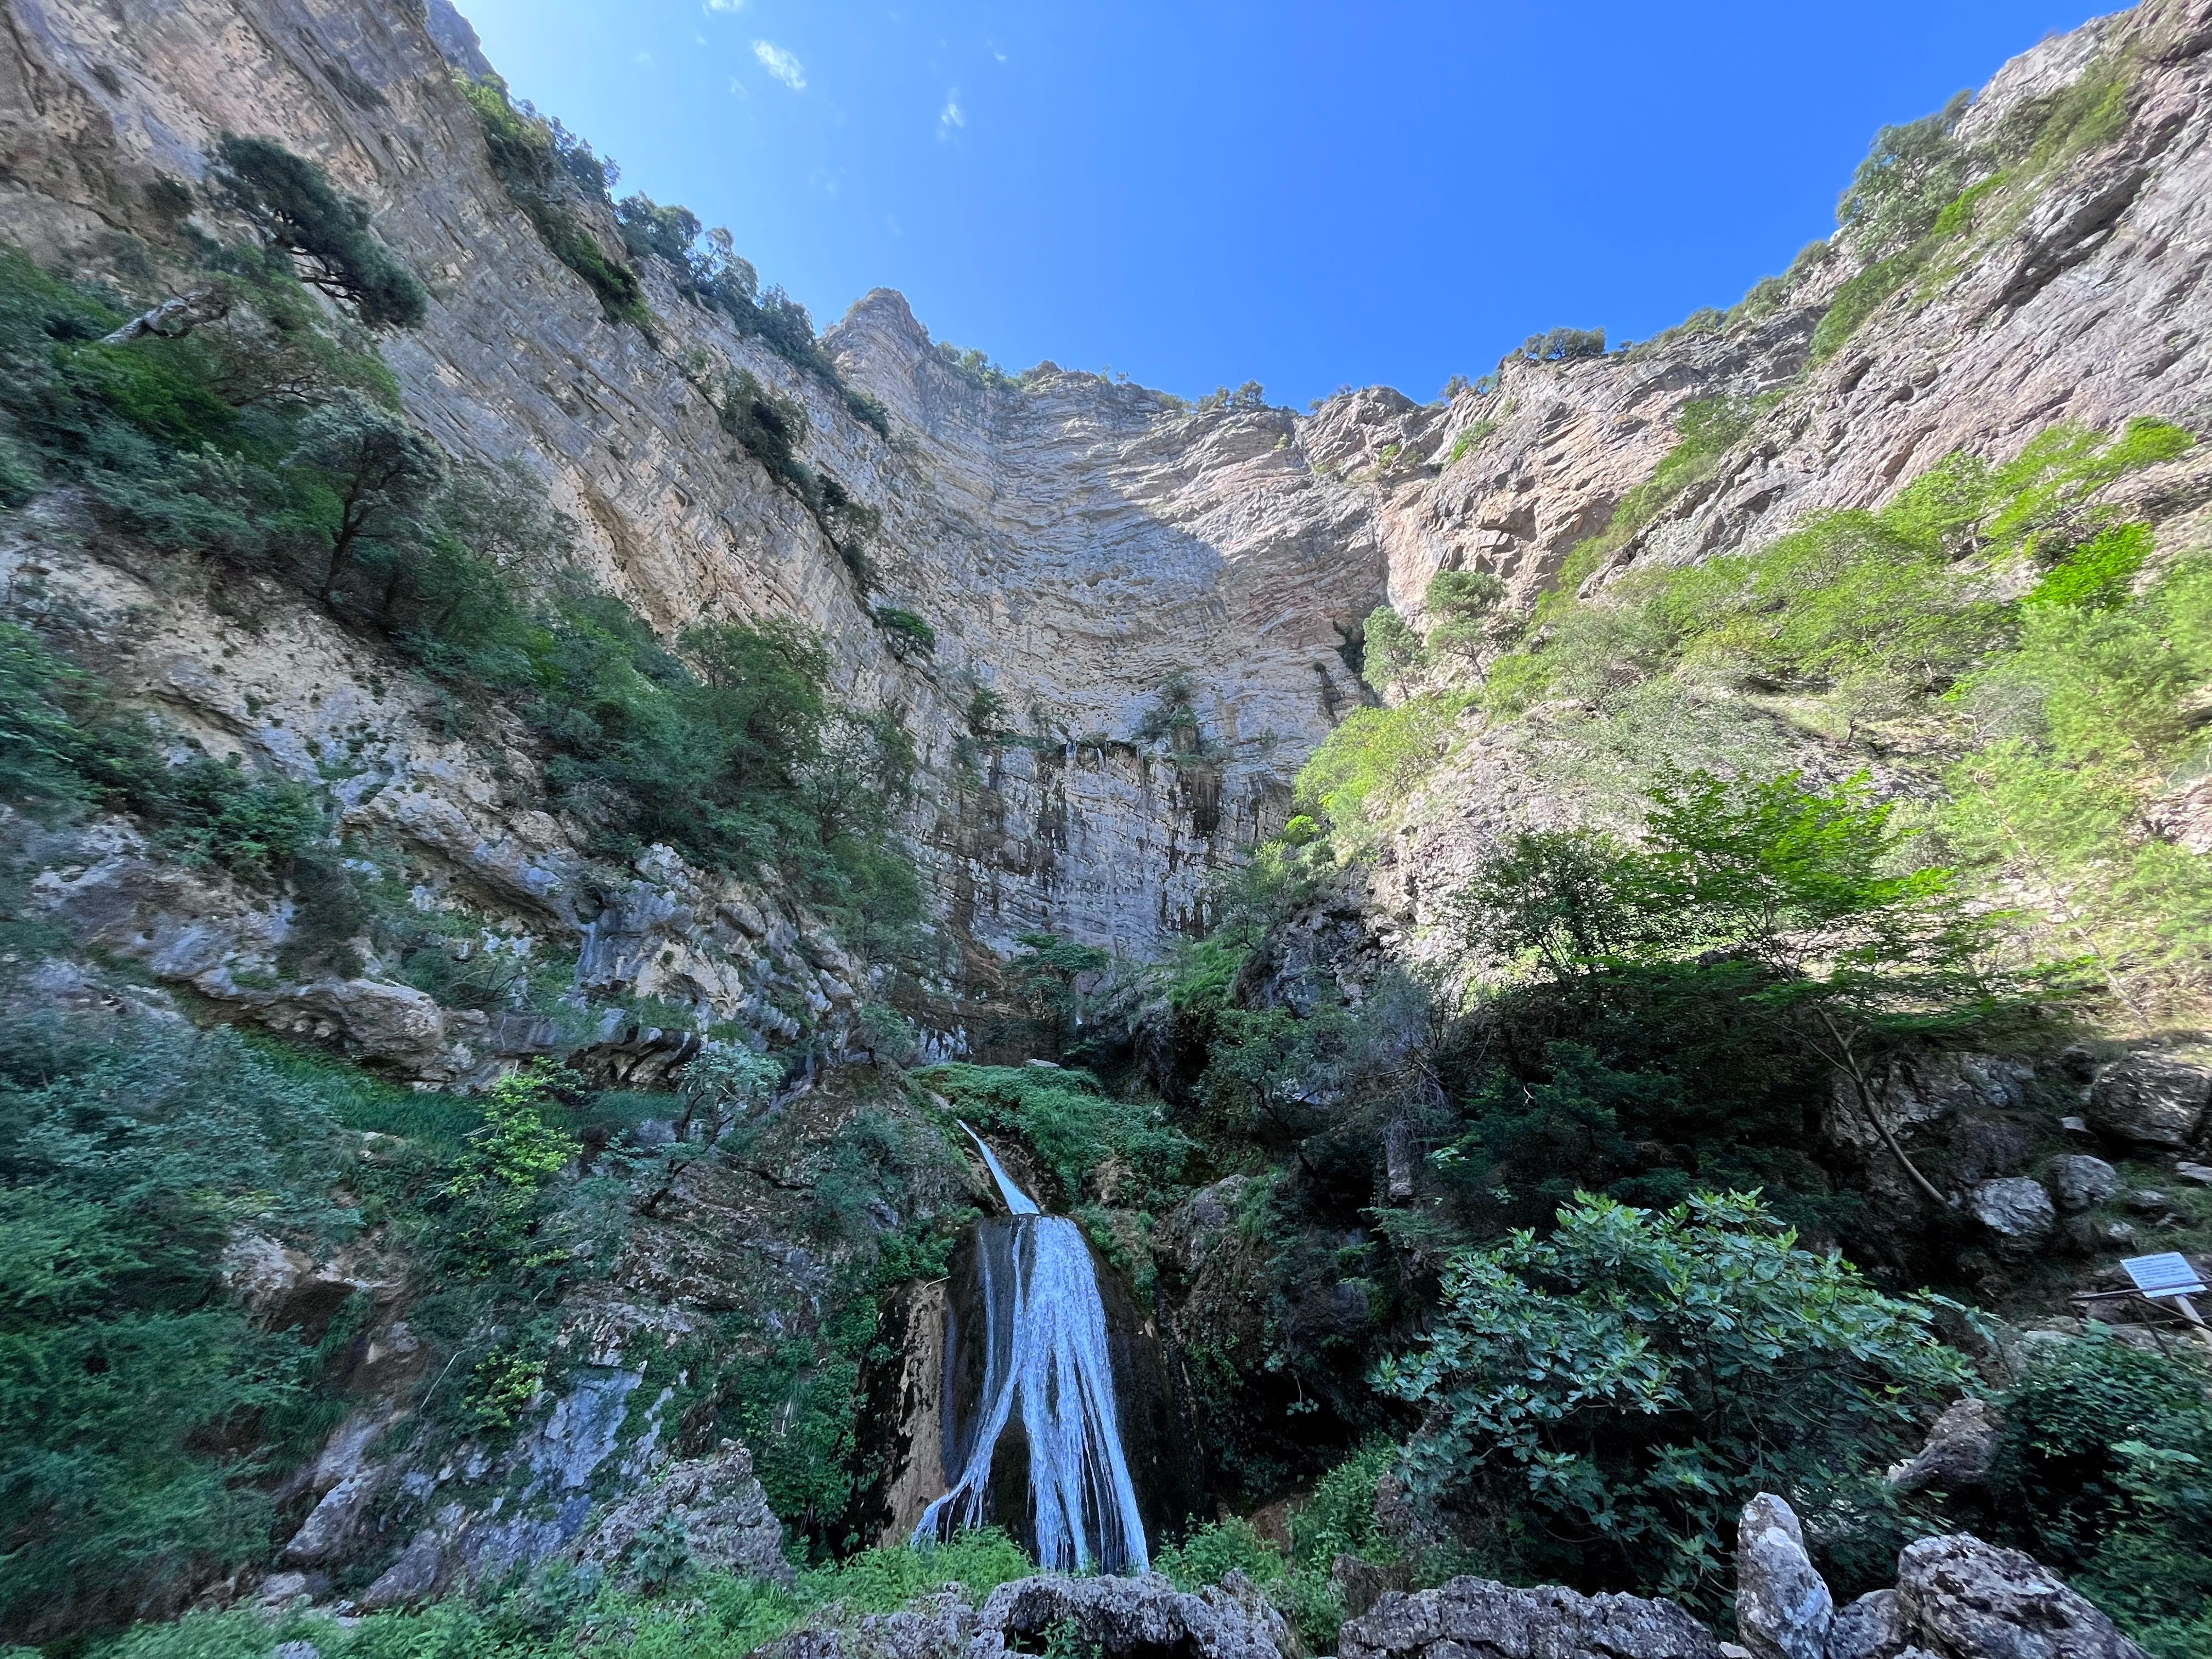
pixel 1303 194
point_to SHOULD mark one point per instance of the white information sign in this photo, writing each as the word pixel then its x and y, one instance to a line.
pixel 2163 1275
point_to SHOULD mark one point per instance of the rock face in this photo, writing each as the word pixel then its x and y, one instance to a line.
pixel 1474 1616
pixel 2151 1100
pixel 1963 1599
pixel 1784 1609
pixel 707 1511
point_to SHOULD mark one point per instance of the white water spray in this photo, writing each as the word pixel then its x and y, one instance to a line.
pixel 1045 1351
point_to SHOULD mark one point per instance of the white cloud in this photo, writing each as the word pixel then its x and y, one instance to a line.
pixel 738 89
pixel 724 5
pixel 951 115
pixel 784 65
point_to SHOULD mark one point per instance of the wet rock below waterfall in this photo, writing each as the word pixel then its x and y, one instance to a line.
pixel 1145 1618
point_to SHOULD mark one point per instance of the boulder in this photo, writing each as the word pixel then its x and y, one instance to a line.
pixel 1476 1616
pixel 1958 1452
pixel 2082 1181
pixel 1963 1599
pixel 383 1019
pixel 1783 1607
pixel 1872 1627
pixel 711 1507
pixel 2151 1100
pixel 2014 1207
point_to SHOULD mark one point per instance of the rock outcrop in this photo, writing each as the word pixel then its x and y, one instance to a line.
pixel 1120 1618
pixel 2151 1100
pixel 1477 1617
pixel 1959 1450
pixel 707 1513
pixel 1956 1598
pixel 1962 1598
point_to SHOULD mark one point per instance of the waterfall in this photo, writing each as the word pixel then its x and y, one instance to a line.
pixel 1045 1353
pixel 1017 1202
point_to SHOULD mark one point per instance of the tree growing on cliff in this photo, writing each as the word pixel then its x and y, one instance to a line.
pixel 1797 905
pixel 294 203
pixel 368 474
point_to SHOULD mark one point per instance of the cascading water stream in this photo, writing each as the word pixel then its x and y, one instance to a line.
pixel 1045 1352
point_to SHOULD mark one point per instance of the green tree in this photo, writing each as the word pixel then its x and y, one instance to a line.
pixel 494 1192
pixel 1460 605
pixel 372 474
pixel 138 1404
pixel 1627 1383
pixel 1806 889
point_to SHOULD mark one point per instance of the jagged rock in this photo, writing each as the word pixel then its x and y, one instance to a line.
pixel 1872 1627
pixel 1963 1599
pixel 421 1566
pixel 1958 1450
pixel 2151 1100
pixel 2015 1207
pixel 1783 1607
pixel 1476 1616
pixel 714 1503
pixel 2199 1173
pixel 940 1626
pixel 2082 1180
pixel 1140 1617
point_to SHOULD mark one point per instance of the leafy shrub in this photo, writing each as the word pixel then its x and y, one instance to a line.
pixel 1211 1552
pixel 1859 298
pixel 292 200
pixel 907 631
pixel 1340 1518
pixel 1469 438
pixel 1628 1383
pixel 1905 181
pixel 2102 1472
pixel 1393 651
pixel 1368 760
pixel 1882 607
pixel 495 1190
pixel 1460 604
